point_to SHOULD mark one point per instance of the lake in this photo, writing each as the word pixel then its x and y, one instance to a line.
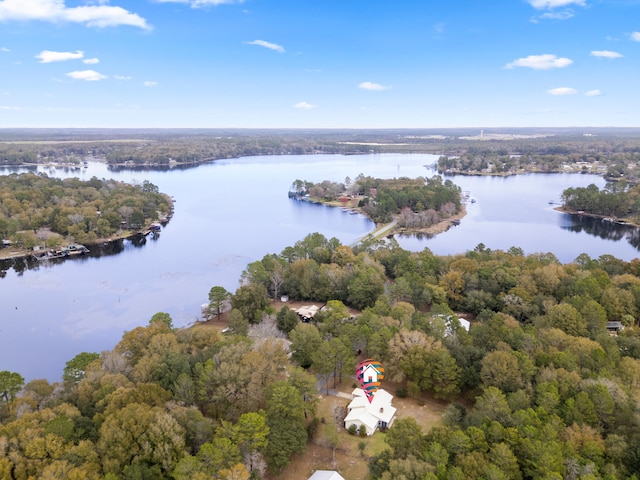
pixel 232 212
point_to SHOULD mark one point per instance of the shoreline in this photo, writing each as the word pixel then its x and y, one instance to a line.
pixel 616 220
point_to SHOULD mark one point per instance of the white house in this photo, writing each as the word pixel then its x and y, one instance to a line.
pixel 379 413
pixel 326 475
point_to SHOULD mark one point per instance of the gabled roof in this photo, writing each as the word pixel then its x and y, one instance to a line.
pixel 380 408
pixel 363 416
pixel 326 475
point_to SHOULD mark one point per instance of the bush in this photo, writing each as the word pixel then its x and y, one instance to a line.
pixel 352 429
pixel 312 428
pixel 402 392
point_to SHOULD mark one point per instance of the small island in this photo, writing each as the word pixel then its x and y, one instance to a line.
pixel 49 217
pixel 399 205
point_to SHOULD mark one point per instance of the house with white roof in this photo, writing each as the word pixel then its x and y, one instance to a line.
pixel 379 413
pixel 326 475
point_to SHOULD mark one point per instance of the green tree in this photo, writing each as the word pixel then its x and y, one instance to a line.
pixel 75 368
pixel 218 296
pixel 405 438
pixel 164 318
pixel 305 340
pixel 137 434
pixel 251 300
pixel 10 384
pixel 286 319
pixel 285 418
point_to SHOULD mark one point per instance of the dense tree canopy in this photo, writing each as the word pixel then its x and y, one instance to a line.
pixel 36 209
pixel 538 388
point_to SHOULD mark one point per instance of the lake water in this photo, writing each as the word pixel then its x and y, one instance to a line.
pixel 232 212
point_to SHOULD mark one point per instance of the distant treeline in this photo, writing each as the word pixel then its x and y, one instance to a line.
pixel 540 150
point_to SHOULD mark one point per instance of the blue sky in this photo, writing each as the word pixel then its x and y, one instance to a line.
pixel 319 64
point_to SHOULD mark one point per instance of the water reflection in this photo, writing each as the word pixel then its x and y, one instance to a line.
pixel 604 229
pixel 106 249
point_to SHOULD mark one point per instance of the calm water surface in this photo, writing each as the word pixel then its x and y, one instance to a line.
pixel 229 213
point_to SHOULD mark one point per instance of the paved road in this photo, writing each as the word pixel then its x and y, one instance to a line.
pixel 377 233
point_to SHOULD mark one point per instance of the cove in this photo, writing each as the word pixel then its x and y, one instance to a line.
pixel 232 212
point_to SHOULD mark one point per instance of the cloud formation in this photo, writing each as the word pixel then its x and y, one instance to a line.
pixel 4 49
pixel 91 61
pixel 540 62
pixel 202 3
pixel 305 106
pixel 86 75
pixel 564 15
pixel 562 91
pixel 606 54
pixel 49 56
pixel 635 36
pixel 372 86
pixel 269 45
pixel 549 4
pixel 150 83
pixel 55 11
pixel 593 93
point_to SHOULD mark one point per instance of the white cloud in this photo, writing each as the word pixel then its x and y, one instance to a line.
pixel 48 56
pixel 549 4
pixel 305 106
pixel 203 3
pixel 4 49
pixel 606 54
pixel 122 77
pixel 91 61
pixel 87 75
pixel 540 62
pixel 149 84
pixel 6 107
pixel 635 36
pixel 269 45
pixel 593 93
pixel 372 86
pixel 564 15
pixel 56 11
pixel 562 91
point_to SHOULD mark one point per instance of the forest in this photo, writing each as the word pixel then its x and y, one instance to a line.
pixel 538 388
pixel 36 209
pixel 615 200
pixel 414 202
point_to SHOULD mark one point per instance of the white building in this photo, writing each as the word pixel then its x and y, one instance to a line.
pixel 379 413
pixel 326 475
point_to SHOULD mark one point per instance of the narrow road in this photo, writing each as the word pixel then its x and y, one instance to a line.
pixel 379 232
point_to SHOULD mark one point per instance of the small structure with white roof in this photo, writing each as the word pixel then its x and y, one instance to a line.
pixel 326 475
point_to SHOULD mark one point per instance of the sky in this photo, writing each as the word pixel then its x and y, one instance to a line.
pixel 319 64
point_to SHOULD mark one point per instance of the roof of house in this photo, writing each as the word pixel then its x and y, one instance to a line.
pixel 363 416
pixel 326 475
pixel 380 408
pixel 307 311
